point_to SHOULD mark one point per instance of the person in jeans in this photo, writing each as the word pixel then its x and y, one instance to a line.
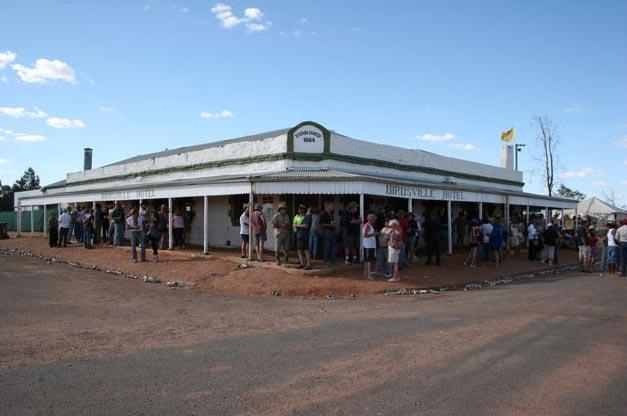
pixel 612 248
pixel 117 216
pixel 53 230
pixel 327 226
pixel 150 227
pixel 88 228
pixel 137 236
pixel 621 235
pixel 65 222
pixel 314 233
pixel 178 228
pixel 259 225
pixel 383 237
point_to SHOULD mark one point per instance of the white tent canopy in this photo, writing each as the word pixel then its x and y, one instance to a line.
pixel 601 210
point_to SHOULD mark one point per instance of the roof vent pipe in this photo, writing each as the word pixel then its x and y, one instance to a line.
pixel 87 159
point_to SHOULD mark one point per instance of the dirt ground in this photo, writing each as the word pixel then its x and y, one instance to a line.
pixel 222 271
pixel 82 342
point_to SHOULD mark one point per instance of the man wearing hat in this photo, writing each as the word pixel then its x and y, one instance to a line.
pixel 621 236
pixel 352 227
pixel 281 227
pixel 259 225
pixel 302 225
pixel 551 236
pixel 612 248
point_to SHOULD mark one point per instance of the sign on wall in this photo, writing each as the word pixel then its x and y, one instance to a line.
pixel 308 137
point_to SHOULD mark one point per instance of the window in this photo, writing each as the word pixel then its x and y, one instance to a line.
pixel 236 207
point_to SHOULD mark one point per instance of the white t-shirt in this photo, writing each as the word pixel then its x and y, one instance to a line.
pixel 244 224
pixel 532 234
pixel 64 220
pixel 369 242
pixel 486 231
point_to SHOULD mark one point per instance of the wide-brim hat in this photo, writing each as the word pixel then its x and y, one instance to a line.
pixel 301 206
pixel 281 205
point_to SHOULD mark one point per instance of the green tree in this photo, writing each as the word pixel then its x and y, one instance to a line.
pixel 28 181
pixel 566 192
pixel 6 198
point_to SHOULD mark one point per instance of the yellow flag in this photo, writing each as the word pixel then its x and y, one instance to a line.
pixel 509 135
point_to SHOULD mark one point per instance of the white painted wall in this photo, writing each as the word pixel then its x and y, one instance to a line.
pixel 346 146
pixel 267 146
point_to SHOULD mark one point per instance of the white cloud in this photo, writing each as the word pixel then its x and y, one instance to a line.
pixel 303 20
pixel 106 109
pixel 64 123
pixel 622 142
pixel 221 114
pixel 2 139
pixel 6 58
pixel 297 33
pixel 599 183
pixel 622 126
pixel 3 79
pixel 18 112
pixel 45 70
pixel 434 138
pixel 180 9
pixel 37 113
pixel 583 173
pixel 624 163
pixel 3 161
pixel 574 109
pixel 15 112
pixel 31 138
pixel 253 18
pixel 463 146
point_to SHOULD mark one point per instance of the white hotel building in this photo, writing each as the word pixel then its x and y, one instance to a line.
pixel 305 164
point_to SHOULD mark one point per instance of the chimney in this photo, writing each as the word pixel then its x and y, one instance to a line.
pixel 87 159
pixel 507 157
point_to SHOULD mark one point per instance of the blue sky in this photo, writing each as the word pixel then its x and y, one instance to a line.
pixel 443 76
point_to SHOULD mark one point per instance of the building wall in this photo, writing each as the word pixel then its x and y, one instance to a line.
pixel 414 157
pixel 236 150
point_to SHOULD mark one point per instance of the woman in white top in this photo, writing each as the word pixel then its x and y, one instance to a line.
pixel 612 248
pixel 244 231
pixel 514 239
pixel 370 244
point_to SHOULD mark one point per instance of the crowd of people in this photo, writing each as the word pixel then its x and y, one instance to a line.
pixel 108 224
pixel 390 239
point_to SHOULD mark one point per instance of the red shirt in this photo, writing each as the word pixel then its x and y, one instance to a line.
pixel 258 222
pixel 404 227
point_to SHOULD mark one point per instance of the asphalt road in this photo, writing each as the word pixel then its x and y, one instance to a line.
pixel 84 343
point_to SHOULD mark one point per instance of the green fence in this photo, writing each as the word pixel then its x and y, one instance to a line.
pixel 10 217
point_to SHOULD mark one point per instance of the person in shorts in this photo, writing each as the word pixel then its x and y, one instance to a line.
pixel 244 231
pixel 370 245
pixel 591 240
pixel 259 225
pixel 302 225
pixel 281 230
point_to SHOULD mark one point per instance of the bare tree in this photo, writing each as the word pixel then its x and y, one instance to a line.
pixel 610 196
pixel 548 141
